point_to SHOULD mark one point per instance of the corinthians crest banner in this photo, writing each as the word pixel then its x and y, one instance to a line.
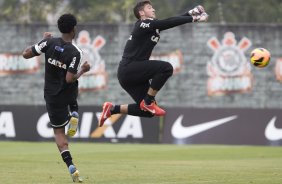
pixel 228 69
pixel 96 78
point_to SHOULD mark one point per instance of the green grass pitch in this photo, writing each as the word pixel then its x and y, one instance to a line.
pixel 41 163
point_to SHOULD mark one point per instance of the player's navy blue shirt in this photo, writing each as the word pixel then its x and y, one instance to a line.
pixel 145 36
pixel 60 57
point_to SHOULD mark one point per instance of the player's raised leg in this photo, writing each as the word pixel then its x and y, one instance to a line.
pixel 159 72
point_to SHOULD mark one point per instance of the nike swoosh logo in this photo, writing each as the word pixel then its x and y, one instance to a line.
pixel 271 132
pixel 106 112
pixel 180 132
pixel 151 111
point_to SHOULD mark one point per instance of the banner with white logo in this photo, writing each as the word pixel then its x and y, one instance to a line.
pixel 181 126
pixel 223 126
pixel 228 70
pixel 30 123
pixel 14 63
pixel 96 78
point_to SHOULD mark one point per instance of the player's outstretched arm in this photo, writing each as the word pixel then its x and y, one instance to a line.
pixel 197 14
pixel 171 22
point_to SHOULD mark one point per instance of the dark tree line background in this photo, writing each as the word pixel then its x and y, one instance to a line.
pixel 120 11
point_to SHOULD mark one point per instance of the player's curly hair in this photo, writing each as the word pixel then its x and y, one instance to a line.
pixel 140 6
pixel 66 23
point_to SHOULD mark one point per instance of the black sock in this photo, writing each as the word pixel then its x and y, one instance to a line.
pixel 115 109
pixel 67 157
pixel 149 99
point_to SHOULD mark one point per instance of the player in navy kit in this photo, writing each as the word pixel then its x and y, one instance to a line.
pixel 62 69
pixel 140 77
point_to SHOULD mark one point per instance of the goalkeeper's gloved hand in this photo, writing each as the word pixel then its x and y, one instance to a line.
pixel 200 18
pixel 198 10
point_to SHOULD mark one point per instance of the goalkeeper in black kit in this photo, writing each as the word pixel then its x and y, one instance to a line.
pixel 140 77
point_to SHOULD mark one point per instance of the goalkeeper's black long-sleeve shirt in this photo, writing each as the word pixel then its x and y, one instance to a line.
pixel 146 34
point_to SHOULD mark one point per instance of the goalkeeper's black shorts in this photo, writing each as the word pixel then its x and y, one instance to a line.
pixel 135 76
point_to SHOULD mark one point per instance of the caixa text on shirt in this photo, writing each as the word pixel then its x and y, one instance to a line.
pixel 57 63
